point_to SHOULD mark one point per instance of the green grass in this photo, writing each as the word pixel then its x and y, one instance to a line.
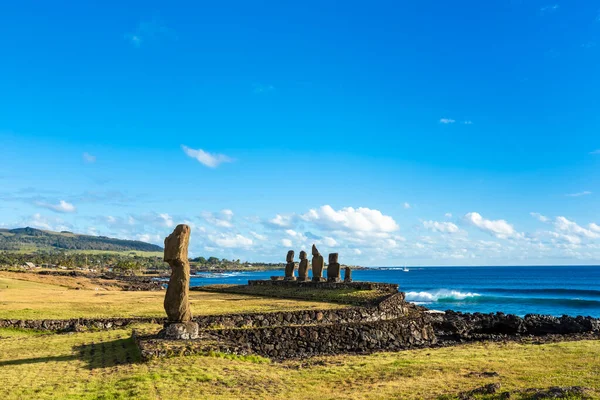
pixel 346 296
pixel 106 365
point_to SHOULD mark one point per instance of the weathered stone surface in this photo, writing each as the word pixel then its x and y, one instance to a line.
pixel 182 331
pixel 176 302
pixel 303 267
pixel 290 267
pixel 290 256
pixel 347 275
pixel 317 265
pixel 333 268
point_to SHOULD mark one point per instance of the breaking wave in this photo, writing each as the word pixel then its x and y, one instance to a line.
pixel 454 296
pixel 438 295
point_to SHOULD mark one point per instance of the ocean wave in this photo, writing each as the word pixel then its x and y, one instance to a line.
pixel 442 294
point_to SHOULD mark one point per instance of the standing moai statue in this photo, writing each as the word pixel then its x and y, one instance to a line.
pixel 303 267
pixel 290 266
pixel 177 304
pixel 347 275
pixel 333 268
pixel 317 265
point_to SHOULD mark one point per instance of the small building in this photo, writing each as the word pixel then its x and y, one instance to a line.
pixel 29 265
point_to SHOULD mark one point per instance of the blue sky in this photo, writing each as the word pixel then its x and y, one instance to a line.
pixel 418 133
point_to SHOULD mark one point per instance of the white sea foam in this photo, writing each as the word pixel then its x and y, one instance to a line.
pixel 431 297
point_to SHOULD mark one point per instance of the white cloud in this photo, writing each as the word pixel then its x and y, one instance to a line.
pixel 88 158
pixel 46 223
pixel 595 152
pixel 549 8
pixel 468 122
pixel 565 225
pixel 286 242
pixel 443 227
pixel 579 194
pixel 166 220
pixel 61 207
pixel 223 220
pixel 150 238
pixel 281 221
pixel 499 228
pixel 329 241
pixel 406 205
pixel 361 219
pixel 258 236
pixel 231 241
pixel 540 217
pixel 206 158
pixel 594 227
pixel 447 121
pixel 448 215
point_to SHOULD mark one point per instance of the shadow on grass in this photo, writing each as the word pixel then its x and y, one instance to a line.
pixel 94 355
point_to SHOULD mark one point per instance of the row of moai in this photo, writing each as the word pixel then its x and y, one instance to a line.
pixel 318 264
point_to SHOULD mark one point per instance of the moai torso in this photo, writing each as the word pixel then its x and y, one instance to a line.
pixel 333 268
pixel 303 267
pixel 177 305
pixel 317 265
pixel 347 275
pixel 290 266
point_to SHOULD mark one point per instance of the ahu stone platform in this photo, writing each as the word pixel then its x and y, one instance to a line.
pixel 381 287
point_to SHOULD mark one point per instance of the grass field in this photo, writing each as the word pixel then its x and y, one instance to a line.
pixel 347 296
pixel 20 299
pixel 105 364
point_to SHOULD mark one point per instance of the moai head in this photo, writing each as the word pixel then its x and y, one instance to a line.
pixel 333 258
pixel 315 252
pixel 303 255
pixel 290 256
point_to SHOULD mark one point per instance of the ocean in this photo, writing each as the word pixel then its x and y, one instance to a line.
pixel 553 290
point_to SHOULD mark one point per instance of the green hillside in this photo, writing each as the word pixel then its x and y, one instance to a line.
pixel 31 239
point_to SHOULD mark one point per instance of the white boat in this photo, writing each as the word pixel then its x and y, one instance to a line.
pixel 405 269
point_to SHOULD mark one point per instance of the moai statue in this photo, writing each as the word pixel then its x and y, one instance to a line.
pixel 347 275
pixel 290 267
pixel 317 265
pixel 177 304
pixel 333 268
pixel 303 267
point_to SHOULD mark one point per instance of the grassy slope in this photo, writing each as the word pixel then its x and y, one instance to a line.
pixel 33 300
pixel 105 364
pixel 349 296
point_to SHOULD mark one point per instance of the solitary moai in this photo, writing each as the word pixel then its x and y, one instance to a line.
pixel 347 275
pixel 303 267
pixel 317 265
pixel 290 267
pixel 177 304
pixel 333 268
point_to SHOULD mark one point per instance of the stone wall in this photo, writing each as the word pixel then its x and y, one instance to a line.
pixel 391 307
pixel 75 325
pixel 382 287
pixel 304 341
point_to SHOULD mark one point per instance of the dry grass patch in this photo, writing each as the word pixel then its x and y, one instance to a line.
pixel 21 299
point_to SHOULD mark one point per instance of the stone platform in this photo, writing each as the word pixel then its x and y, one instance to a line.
pixel 382 287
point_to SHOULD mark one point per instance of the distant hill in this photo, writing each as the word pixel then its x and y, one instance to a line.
pixel 20 239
